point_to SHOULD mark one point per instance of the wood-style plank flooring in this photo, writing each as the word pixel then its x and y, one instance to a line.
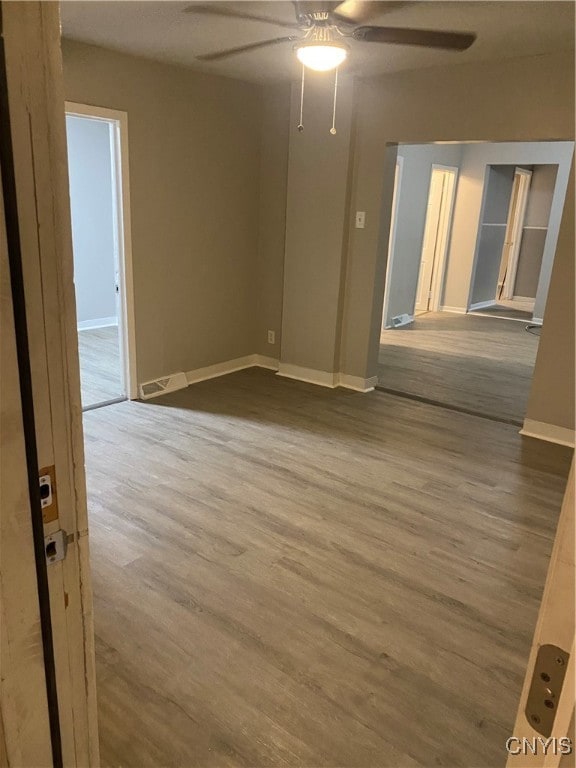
pixel 100 366
pixel 514 309
pixel 286 575
pixel 483 364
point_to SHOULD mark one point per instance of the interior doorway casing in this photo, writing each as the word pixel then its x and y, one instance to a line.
pixel 442 227
pixel 118 122
pixel 392 237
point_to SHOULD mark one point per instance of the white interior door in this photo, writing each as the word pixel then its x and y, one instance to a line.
pixel 392 239
pixel 431 238
pixel 516 216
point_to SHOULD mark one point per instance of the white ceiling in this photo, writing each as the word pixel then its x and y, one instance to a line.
pixel 162 31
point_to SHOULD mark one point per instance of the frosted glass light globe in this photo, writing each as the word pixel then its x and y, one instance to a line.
pixel 320 57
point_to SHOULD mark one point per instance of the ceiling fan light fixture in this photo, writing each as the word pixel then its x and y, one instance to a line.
pixel 321 57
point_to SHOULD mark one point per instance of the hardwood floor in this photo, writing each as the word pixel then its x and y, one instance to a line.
pixel 100 365
pixel 286 575
pixel 483 364
pixel 511 309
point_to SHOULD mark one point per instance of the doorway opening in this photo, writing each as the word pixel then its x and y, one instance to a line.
pixel 99 202
pixel 436 238
pixel 475 227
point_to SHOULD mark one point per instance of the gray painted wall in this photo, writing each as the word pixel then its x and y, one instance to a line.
pixel 417 106
pixel 194 145
pixel 552 394
pixel 491 232
pixel 412 203
pixel 462 260
pixel 272 217
pixel 316 224
pixel 93 237
pixel 529 262
pixel 533 245
pixel 482 200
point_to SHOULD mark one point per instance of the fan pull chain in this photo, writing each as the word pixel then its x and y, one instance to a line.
pixel 300 124
pixel 333 129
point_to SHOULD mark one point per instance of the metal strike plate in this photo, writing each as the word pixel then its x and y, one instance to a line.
pixel 546 686
pixel 48 496
pixel 55 546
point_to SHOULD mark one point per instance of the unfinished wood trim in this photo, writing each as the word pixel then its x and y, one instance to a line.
pixel 23 701
pixel 35 84
pixel 556 622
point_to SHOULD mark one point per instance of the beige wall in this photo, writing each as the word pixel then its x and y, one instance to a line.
pixel 227 269
pixel 273 187
pixel 194 172
pixel 317 201
pixel 463 281
pixel 552 395
pixel 492 101
pixel 411 220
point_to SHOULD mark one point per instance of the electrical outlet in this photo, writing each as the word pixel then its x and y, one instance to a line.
pixel 360 219
pixel 271 337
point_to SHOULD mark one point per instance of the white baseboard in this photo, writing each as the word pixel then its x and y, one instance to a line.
pixel 309 375
pixel 456 310
pixel 482 305
pixel 537 320
pixel 549 432
pixel 357 383
pixel 327 379
pixel 219 369
pixel 230 366
pixel 263 361
pixel 99 322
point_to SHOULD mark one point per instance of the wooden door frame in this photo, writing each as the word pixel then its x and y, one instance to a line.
pixel 392 236
pixel 29 728
pixel 31 34
pixel 555 625
pixel 118 121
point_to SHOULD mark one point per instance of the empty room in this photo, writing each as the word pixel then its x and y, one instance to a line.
pixel 287 384
pixel 474 231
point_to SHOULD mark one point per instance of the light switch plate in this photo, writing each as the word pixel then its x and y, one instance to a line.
pixel 360 219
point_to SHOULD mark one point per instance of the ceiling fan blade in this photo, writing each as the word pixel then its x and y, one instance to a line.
pixel 244 48
pixel 360 11
pixel 428 38
pixel 215 10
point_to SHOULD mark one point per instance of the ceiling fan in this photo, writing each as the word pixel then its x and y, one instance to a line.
pixel 324 28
